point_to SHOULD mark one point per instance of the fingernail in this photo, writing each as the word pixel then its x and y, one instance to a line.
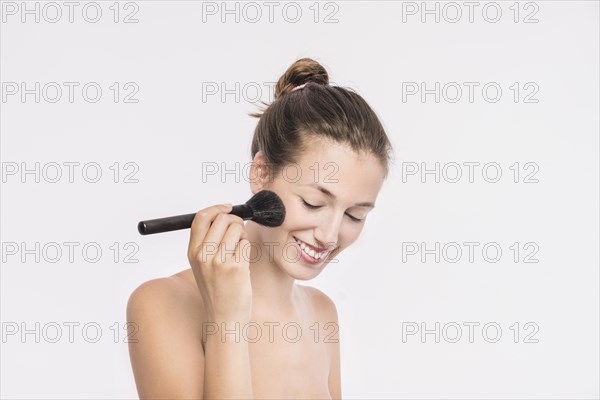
pixel 228 205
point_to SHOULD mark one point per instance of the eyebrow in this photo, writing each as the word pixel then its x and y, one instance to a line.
pixel 331 195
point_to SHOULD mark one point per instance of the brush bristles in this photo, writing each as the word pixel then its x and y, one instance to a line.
pixel 267 207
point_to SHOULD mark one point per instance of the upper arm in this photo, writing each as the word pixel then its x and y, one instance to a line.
pixel 335 381
pixel 329 316
pixel 166 354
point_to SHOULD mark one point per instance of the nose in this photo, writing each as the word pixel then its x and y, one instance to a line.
pixel 327 232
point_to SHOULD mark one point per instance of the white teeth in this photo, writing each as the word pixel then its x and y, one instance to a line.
pixel 310 251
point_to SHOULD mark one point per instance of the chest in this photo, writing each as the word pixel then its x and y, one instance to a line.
pixel 288 360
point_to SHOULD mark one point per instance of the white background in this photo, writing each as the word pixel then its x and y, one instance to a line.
pixel 175 127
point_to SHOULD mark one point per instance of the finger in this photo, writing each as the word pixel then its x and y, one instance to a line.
pixel 241 253
pixel 229 242
pixel 201 224
pixel 215 234
pixel 244 234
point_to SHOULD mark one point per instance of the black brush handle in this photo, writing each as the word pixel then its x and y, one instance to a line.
pixel 184 221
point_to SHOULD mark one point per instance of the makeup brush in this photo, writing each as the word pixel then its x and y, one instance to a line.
pixel 265 208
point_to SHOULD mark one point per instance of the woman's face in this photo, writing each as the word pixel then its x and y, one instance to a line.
pixel 329 222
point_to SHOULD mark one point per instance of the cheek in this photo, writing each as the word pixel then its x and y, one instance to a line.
pixel 349 234
pixel 296 216
pixel 296 219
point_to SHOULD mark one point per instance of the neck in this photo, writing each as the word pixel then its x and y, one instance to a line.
pixel 272 288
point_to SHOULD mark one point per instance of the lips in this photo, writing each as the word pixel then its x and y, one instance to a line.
pixel 306 252
pixel 316 249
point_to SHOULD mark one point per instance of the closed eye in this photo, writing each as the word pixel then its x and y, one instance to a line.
pixel 354 219
pixel 312 207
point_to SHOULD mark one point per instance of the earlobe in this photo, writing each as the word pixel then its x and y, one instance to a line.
pixel 255 181
pixel 258 174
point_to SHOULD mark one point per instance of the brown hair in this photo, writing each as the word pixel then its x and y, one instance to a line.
pixel 318 110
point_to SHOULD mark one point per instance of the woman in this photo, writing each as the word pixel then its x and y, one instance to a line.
pixel 236 325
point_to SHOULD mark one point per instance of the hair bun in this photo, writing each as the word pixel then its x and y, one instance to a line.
pixel 302 71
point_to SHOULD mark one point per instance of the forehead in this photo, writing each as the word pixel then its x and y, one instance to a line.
pixel 340 169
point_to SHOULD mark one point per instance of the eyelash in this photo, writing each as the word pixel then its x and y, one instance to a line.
pixel 311 207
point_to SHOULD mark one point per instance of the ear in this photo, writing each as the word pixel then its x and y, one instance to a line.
pixel 259 177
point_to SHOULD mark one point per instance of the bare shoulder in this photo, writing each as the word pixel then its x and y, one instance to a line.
pixel 155 294
pixel 165 349
pixel 163 287
pixel 322 304
pixel 325 310
pixel 169 298
pixel 158 290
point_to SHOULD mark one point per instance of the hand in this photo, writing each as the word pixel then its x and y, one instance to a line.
pixel 219 263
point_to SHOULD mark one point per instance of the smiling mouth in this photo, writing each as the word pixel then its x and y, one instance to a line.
pixel 314 255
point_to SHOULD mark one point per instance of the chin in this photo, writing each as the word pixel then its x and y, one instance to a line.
pixel 299 269
pixel 307 273
pixel 302 273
